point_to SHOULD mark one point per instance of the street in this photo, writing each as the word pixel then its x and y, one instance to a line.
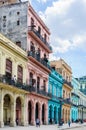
pixel 46 127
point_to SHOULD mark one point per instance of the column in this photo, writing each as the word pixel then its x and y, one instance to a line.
pixel 1 109
pixel 24 112
pixel 33 115
pixel 40 114
pixel 46 116
pixel 13 114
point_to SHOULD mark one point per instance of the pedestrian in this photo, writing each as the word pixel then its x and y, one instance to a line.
pixel 69 123
pixel 37 122
pixel 17 121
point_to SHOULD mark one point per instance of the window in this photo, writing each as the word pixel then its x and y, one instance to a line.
pixel 18 43
pixel 39 30
pixel 63 93
pixel 18 13
pixel 38 83
pixel 20 74
pixel 8 69
pixel 55 91
pixel 31 77
pixel 45 38
pixel 18 22
pixel 50 90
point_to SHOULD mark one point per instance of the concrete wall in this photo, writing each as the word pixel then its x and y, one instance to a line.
pixel 9 15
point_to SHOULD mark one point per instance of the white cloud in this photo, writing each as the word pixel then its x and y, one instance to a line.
pixel 59 7
pixel 67 23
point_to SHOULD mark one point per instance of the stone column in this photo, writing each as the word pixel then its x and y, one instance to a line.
pixel 1 109
pixel 40 114
pixel 25 112
pixel 33 115
pixel 13 114
pixel 46 115
pixel 22 114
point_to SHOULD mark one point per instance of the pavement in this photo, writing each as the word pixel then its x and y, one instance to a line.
pixel 45 127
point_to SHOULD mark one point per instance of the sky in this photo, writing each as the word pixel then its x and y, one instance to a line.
pixel 66 20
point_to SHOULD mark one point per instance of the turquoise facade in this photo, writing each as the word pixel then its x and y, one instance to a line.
pixel 75 100
pixel 55 90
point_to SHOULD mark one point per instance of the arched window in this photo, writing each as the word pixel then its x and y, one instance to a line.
pixel 20 74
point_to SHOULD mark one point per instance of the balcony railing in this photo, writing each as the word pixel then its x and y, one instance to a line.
pixel 74 94
pixel 67 101
pixel 39 36
pixel 68 83
pixel 29 88
pixel 41 60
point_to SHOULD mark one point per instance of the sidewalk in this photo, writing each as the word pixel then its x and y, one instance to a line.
pixel 73 125
pixel 44 127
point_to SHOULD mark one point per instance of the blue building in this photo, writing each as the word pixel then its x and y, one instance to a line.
pixel 55 90
pixel 75 100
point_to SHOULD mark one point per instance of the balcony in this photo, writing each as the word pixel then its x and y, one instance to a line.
pixel 68 83
pixel 42 61
pixel 67 101
pixel 74 94
pixel 28 88
pixel 35 33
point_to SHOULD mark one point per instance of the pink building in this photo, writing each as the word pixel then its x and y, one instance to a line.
pixel 38 68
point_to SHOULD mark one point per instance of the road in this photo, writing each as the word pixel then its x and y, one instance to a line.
pixel 43 127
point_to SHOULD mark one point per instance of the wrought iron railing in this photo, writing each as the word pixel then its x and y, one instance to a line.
pixel 68 83
pixel 40 37
pixel 41 60
pixel 29 88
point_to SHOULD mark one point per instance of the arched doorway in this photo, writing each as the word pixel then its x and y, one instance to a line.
pixel 29 112
pixel 18 111
pixel 7 109
pixel 50 114
pixel 43 114
pixel 55 115
pixel 36 111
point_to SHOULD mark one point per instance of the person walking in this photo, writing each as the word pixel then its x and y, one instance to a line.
pixel 69 123
pixel 37 122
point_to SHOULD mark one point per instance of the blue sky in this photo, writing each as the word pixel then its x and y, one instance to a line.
pixel 66 20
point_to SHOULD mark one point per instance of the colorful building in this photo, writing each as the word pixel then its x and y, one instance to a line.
pixel 23 26
pixel 82 81
pixel 38 67
pixel 13 63
pixel 65 70
pixel 55 103
pixel 74 100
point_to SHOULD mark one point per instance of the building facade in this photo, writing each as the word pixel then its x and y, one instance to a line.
pixel 55 103
pixel 13 22
pixel 82 106
pixel 13 63
pixel 82 81
pixel 65 70
pixel 38 67
pixel 23 26
pixel 74 100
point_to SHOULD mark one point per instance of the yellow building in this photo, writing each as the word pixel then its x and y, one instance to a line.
pixel 65 70
pixel 13 63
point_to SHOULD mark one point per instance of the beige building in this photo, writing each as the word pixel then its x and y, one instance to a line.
pixel 12 78
pixel 65 70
